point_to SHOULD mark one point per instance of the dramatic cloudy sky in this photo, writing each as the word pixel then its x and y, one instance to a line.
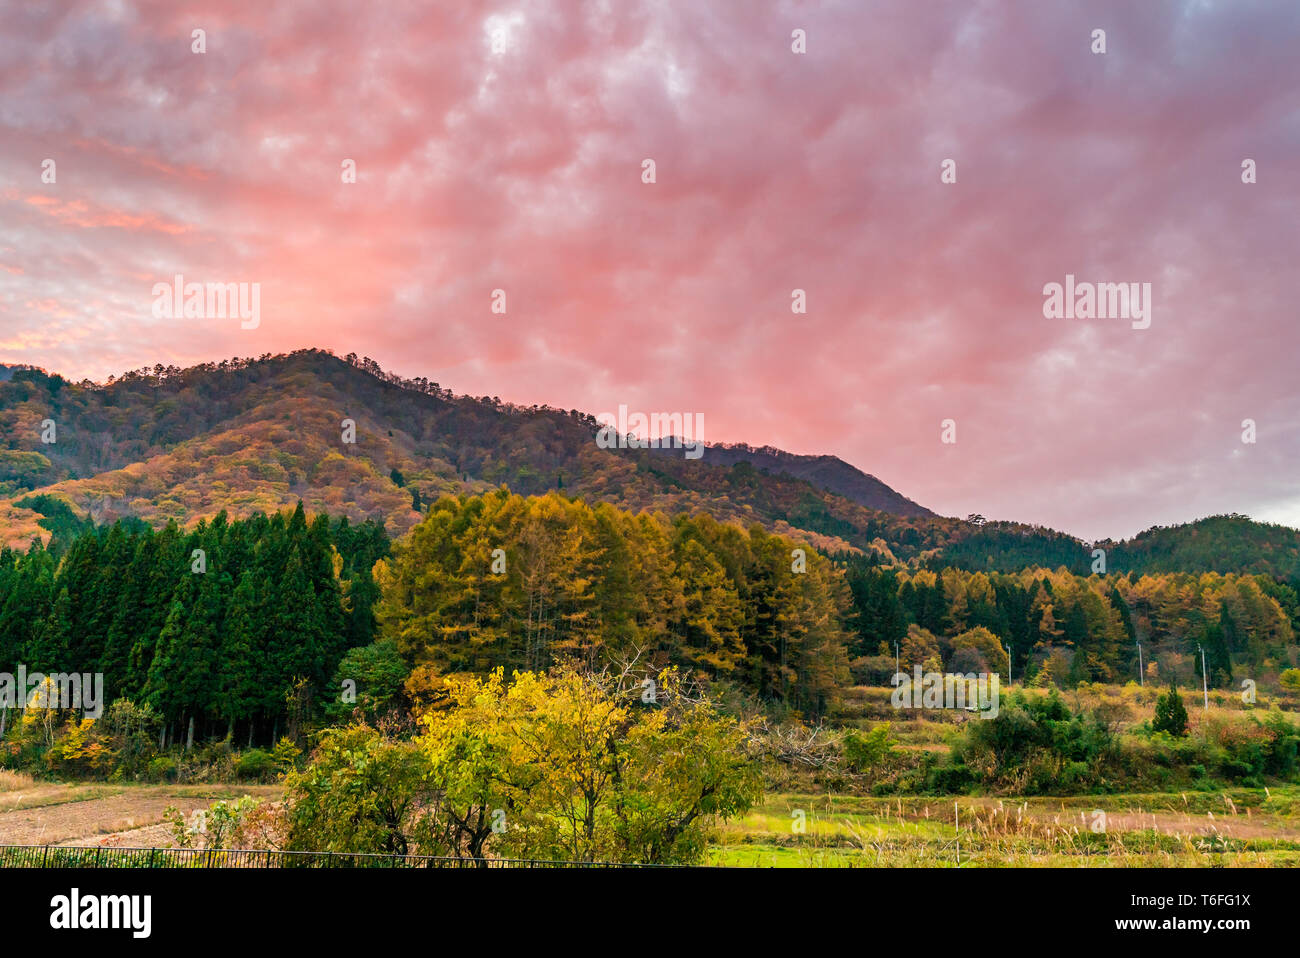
pixel 500 145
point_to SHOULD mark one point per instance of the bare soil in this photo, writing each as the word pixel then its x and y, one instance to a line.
pixel 130 815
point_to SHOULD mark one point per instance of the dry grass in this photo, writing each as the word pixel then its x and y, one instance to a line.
pixel 15 781
pixel 1249 827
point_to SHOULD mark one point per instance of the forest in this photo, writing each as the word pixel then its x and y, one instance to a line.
pixel 1060 628
pixel 208 627
pixel 246 628
pixel 510 677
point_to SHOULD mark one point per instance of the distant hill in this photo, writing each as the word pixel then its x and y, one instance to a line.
pixel 247 435
pixel 1231 543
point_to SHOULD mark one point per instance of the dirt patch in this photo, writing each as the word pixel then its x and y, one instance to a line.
pixel 133 810
pixel 57 824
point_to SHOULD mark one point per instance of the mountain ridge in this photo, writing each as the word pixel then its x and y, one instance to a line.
pixel 139 443
pixel 246 435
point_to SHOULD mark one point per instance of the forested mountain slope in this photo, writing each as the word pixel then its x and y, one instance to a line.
pixel 243 435
pixel 247 435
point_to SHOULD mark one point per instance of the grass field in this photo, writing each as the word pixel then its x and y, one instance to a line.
pixel 825 816
pixel 1242 827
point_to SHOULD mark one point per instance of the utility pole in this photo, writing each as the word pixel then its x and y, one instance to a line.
pixel 896 656
pixel 1205 682
pixel 1141 680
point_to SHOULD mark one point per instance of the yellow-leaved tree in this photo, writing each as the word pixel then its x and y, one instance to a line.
pixel 568 765
pixel 580 766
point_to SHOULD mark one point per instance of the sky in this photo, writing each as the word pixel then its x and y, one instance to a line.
pixel 502 146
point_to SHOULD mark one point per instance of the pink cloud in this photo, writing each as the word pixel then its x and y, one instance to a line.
pixel 520 170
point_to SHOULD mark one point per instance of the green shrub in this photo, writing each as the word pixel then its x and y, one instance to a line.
pixel 866 753
pixel 256 764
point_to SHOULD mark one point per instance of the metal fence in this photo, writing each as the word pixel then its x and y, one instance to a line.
pixel 106 856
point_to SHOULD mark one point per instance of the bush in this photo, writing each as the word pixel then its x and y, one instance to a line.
pixel 866 753
pixel 212 827
pixel 285 754
pixel 256 764
pixel 948 779
pixel 1036 746
pixel 161 769
pixel 79 751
